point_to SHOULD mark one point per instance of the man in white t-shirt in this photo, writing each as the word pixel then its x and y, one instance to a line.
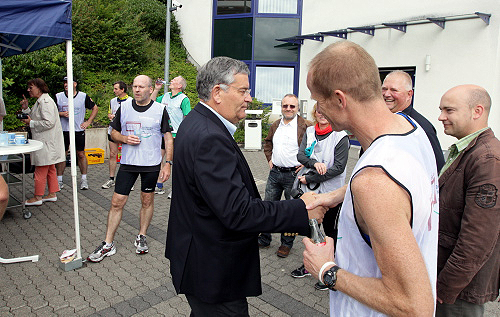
pixel 120 91
pixel 385 261
pixel 81 103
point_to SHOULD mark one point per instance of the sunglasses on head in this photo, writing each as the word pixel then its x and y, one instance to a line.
pixel 288 106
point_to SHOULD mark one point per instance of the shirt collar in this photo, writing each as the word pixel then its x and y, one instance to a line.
pixel 229 126
pixel 177 94
pixel 122 99
pixel 465 141
pixel 291 123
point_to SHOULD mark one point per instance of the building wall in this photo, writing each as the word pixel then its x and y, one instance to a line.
pixel 195 21
pixel 465 51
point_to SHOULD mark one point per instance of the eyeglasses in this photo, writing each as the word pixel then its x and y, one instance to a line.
pixel 288 106
pixel 243 91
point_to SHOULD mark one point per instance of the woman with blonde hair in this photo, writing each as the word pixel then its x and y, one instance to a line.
pixel 324 154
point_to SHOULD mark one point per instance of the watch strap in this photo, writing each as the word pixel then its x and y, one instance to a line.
pixel 170 162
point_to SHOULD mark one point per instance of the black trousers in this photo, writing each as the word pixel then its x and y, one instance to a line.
pixel 237 308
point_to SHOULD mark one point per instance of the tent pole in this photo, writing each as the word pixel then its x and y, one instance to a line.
pixel 167 48
pixel 1 79
pixel 69 70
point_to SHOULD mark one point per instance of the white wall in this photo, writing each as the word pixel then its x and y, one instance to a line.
pixel 195 21
pixel 466 51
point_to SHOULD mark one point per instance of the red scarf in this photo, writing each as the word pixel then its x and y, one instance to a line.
pixel 327 130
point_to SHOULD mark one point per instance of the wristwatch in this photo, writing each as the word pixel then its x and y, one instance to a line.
pixel 170 162
pixel 330 277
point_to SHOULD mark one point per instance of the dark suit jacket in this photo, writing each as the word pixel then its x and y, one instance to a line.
pixel 216 214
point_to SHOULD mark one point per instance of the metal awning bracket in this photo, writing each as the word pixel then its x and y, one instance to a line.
pixel 397 26
pixel 484 16
pixel 438 21
pixel 370 30
pixel 337 33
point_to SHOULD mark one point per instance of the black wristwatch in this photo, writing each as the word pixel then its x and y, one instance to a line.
pixel 330 277
pixel 170 162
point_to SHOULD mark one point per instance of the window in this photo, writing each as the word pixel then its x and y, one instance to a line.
pixel 273 82
pixel 233 38
pixel 267 30
pixel 278 6
pixel 234 6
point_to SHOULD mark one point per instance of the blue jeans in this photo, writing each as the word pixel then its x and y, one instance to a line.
pixel 277 183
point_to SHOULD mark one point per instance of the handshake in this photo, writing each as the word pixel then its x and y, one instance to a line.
pixel 318 204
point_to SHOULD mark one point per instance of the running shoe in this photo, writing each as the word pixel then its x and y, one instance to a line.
pixel 141 244
pixel 102 251
pixel 61 185
pixel 300 272
pixel 159 191
pixel 84 185
pixel 320 286
pixel 108 184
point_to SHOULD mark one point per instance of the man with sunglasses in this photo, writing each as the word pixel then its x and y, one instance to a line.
pixel 281 148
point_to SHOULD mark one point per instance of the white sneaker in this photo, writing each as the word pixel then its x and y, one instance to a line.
pixel 169 195
pixel 108 184
pixel 84 185
pixel 61 185
pixel 159 191
pixel 133 187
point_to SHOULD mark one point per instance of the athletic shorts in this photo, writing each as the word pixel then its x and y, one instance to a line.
pixel 126 179
pixel 79 140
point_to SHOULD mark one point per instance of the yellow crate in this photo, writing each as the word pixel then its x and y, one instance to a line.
pixel 95 155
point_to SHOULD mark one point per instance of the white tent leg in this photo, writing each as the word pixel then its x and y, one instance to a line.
pixel 69 66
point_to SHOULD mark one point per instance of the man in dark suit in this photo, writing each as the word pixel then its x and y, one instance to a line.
pixel 216 211
pixel 397 91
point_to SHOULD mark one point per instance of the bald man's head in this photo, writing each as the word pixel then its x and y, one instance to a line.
pixel 464 110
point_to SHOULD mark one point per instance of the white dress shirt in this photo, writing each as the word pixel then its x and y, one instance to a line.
pixel 285 144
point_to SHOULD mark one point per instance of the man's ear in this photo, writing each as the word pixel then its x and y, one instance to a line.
pixel 478 111
pixel 216 91
pixel 339 99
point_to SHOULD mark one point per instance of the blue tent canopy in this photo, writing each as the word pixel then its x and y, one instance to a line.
pixel 29 25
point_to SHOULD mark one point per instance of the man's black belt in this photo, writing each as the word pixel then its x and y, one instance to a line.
pixel 285 169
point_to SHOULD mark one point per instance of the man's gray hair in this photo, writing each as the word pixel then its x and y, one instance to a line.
pixel 406 77
pixel 183 83
pixel 218 70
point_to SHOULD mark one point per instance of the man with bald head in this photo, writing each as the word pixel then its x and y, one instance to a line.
pixel 397 91
pixel 385 259
pixel 469 216
pixel 139 124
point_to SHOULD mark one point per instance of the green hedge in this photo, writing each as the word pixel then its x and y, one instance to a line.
pixel 112 40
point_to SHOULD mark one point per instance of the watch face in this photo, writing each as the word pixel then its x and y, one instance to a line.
pixel 328 278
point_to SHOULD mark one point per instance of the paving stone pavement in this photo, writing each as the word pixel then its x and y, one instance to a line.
pixel 127 284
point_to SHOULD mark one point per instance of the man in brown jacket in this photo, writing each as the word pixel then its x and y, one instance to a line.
pixel 469 228
pixel 281 147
